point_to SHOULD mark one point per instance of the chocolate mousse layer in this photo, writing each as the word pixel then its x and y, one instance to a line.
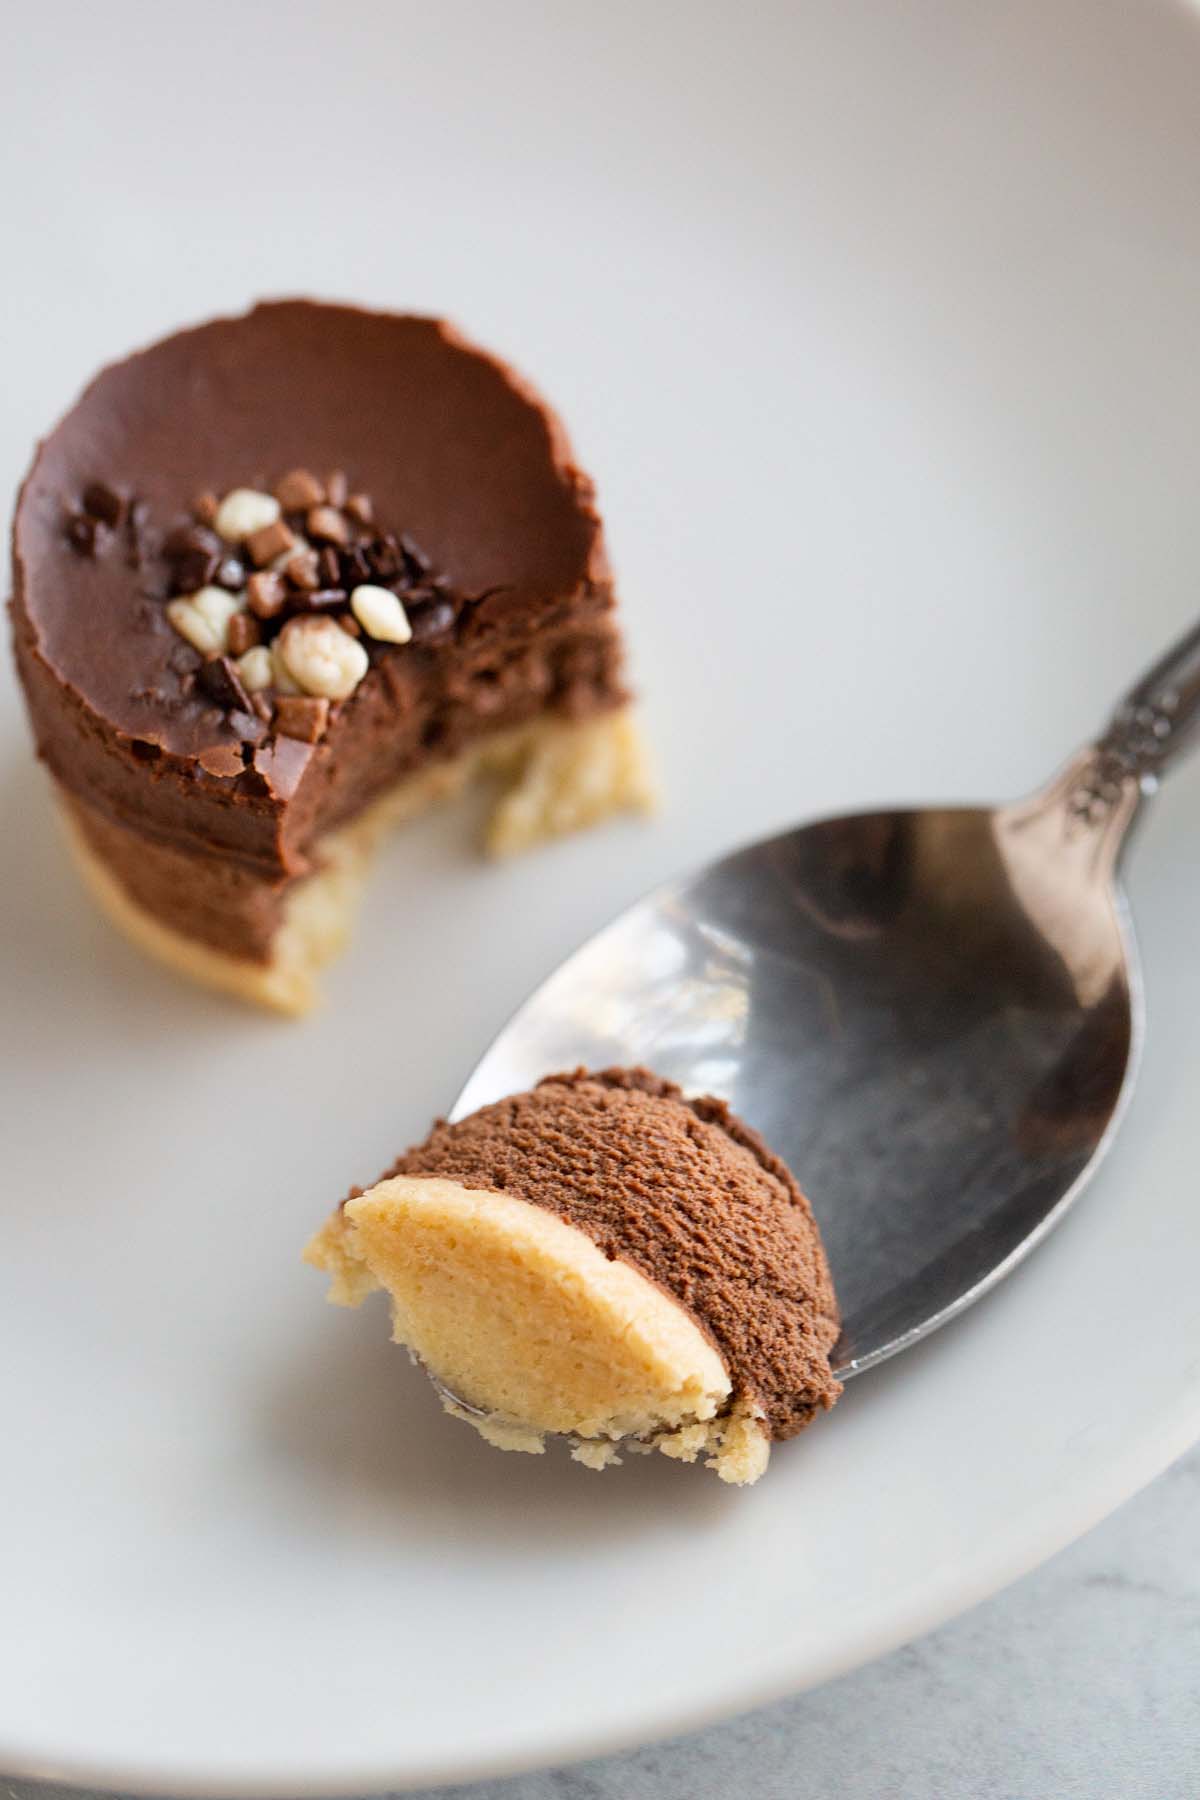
pixel 686 1194
pixel 603 1261
pixel 411 491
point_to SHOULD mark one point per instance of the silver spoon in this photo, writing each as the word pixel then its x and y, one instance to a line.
pixel 934 1016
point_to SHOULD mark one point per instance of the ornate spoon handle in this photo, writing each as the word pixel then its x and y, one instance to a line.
pixel 1151 728
pixel 1091 803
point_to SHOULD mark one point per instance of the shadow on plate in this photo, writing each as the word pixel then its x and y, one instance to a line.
pixel 363 1430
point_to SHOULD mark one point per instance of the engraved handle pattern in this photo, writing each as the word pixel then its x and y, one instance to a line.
pixel 1152 726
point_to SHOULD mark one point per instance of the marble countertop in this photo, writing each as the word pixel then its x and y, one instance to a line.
pixel 1081 1682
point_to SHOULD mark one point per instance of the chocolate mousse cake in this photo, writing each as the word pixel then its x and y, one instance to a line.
pixel 284 579
pixel 604 1260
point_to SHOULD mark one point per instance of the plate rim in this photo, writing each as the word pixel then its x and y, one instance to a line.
pixel 1021 1550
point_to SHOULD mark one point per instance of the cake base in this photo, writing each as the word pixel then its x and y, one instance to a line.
pixel 557 777
pixel 529 1329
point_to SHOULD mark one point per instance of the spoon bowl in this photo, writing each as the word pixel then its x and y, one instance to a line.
pixel 933 1015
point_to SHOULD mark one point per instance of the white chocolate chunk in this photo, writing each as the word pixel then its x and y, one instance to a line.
pixel 255 669
pixel 323 658
pixel 203 618
pixel 280 677
pixel 381 614
pixel 244 511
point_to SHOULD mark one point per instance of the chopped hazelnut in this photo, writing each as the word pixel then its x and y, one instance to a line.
pixel 203 619
pixel 243 512
pixel 381 614
pixel 321 658
pixel 255 669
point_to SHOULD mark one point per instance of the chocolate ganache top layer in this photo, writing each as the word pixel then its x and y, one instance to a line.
pixel 450 446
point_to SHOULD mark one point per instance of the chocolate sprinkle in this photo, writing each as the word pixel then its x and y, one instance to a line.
pixel 384 558
pixel 355 568
pixel 319 600
pixel 414 557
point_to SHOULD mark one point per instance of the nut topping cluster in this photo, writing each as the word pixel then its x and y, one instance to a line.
pixel 289 596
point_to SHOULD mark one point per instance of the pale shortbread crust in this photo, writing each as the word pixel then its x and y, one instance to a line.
pixel 558 777
pixel 530 1330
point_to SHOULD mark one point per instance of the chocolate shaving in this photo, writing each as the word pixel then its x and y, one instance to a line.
pixel 194 569
pixel 219 679
pixel 430 619
pixel 189 540
pixel 103 503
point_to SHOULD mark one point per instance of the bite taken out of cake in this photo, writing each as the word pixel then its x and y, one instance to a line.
pixel 603 1260
pixel 284 579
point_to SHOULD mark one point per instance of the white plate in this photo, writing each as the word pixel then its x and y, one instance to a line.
pixel 878 327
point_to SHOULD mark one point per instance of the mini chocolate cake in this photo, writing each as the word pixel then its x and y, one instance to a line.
pixel 602 1259
pixel 283 579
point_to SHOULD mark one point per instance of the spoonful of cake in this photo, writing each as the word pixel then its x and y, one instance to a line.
pixel 932 1016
